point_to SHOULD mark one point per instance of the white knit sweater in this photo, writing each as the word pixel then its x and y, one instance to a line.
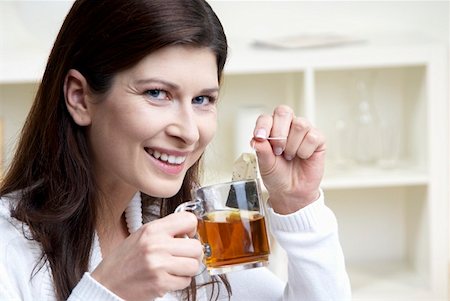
pixel 316 270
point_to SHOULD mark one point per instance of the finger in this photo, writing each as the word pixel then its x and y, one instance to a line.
pixel 183 247
pixel 183 266
pixel 282 118
pixel 312 142
pixel 173 283
pixel 266 157
pixel 262 127
pixel 175 224
pixel 299 128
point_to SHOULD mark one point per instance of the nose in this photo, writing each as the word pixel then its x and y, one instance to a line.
pixel 184 125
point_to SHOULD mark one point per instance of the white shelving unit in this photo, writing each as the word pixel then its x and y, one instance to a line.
pixel 393 218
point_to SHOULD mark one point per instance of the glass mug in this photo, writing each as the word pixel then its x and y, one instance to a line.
pixel 231 225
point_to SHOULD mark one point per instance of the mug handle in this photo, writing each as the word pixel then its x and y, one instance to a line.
pixel 192 206
pixel 196 208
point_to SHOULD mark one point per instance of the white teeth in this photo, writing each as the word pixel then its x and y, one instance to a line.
pixel 179 160
pixel 171 159
pixel 163 157
pixel 166 157
pixel 156 154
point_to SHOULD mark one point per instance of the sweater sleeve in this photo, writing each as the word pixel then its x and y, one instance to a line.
pixel 6 289
pixel 316 267
pixel 89 289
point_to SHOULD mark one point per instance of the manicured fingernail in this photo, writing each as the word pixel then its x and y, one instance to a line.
pixel 261 133
pixel 278 151
pixel 289 158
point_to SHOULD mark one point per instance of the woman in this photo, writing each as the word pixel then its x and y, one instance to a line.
pixel 125 110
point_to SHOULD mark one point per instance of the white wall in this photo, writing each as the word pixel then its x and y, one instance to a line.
pixel 35 23
pixel 272 18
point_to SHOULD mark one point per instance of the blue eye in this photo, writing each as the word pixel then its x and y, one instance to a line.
pixel 156 94
pixel 203 100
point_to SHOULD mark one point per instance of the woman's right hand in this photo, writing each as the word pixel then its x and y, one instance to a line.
pixel 154 260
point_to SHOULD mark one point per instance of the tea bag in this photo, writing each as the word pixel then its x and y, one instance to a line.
pixel 245 167
pixel 244 196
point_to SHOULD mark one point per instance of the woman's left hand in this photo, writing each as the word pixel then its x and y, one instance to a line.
pixel 291 168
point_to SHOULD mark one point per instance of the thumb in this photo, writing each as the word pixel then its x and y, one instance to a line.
pixel 266 157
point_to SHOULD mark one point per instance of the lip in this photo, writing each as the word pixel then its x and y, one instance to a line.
pixel 166 167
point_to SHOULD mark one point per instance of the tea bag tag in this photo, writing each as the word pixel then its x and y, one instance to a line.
pixel 244 197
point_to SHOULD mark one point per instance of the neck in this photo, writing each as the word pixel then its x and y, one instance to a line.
pixel 110 238
pixel 111 224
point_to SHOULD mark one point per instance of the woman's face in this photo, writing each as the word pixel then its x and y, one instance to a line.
pixel 155 121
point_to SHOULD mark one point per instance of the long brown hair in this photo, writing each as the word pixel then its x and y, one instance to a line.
pixel 52 167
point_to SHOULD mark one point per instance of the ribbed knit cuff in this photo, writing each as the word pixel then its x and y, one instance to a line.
pixel 89 289
pixel 313 217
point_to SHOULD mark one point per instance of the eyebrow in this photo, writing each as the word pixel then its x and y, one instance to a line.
pixel 172 85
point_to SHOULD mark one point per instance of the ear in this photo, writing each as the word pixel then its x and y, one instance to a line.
pixel 76 97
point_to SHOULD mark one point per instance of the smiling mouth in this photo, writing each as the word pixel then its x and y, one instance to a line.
pixel 170 159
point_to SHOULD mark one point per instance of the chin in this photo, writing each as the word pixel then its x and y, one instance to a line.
pixel 164 190
pixel 164 195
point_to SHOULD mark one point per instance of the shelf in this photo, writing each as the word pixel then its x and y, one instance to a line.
pixel 373 177
pixel 381 281
pixel 389 282
pixel 378 51
pixel 28 65
pixel 385 281
pixel 352 178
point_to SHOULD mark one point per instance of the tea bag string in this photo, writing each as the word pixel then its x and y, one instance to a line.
pixel 280 138
pixel 276 138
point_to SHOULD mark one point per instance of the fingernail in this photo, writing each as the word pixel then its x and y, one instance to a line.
pixel 289 158
pixel 253 144
pixel 278 151
pixel 261 133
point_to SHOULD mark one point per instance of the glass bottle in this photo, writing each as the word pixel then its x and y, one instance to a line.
pixel 367 134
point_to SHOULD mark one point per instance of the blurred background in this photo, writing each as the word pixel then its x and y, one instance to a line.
pixel 372 75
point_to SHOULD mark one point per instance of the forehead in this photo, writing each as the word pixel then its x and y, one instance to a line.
pixel 171 61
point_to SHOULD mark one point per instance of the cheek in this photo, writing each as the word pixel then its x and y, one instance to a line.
pixel 114 135
pixel 208 130
pixel 112 132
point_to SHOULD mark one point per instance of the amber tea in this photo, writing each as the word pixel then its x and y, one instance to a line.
pixel 233 237
pixel 231 225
